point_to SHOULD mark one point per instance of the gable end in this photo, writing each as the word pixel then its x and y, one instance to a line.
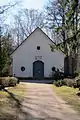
pixel 30 35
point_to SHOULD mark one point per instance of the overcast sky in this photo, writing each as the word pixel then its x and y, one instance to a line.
pixel 36 4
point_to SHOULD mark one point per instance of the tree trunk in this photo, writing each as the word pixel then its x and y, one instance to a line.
pixel 0 54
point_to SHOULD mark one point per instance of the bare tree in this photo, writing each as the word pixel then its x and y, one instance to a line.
pixel 7 7
pixel 63 17
pixel 26 21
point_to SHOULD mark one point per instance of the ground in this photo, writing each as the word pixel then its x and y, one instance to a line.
pixel 40 103
pixel 69 95
pixel 10 101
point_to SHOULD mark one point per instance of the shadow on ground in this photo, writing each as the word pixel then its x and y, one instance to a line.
pixel 39 103
pixel 22 112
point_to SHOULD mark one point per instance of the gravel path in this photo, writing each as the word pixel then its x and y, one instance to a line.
pixel 41 103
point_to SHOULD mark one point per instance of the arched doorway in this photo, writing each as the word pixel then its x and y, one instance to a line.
pixel 38 69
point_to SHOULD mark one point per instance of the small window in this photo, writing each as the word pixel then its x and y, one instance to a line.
pixel 22 68
pixel 38 47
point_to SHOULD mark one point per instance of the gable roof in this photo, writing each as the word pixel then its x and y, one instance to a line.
pixel 30 35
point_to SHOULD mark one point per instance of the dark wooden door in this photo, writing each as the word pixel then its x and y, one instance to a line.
pixel 38 70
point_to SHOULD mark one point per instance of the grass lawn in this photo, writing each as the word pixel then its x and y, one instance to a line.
pixel 10 101
pixel 69 95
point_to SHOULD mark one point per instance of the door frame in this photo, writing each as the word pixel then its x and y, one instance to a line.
pixel 33 68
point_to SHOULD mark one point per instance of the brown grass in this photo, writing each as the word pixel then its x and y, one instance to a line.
pixel 10 101
pixel 69 94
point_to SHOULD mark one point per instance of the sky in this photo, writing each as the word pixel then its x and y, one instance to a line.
pixel 36 4
pixel 29 4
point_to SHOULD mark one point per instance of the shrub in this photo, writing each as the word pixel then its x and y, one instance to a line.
pixel 77 79
pixel 59 83
pixel 75 85
pixel 8 81
pixel 69 82
pixel 5 81
pixel 57 75
pixel 12 81
pixel 63 82
pixel 1 80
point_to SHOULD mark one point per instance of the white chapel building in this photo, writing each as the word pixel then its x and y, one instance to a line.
pixel 34 58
